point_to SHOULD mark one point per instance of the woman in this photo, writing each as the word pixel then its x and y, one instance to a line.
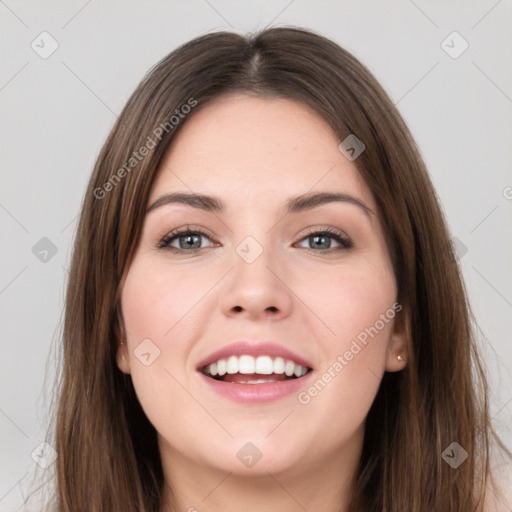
pixel 264 309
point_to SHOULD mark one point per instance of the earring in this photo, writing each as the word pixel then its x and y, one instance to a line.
pixel 399 357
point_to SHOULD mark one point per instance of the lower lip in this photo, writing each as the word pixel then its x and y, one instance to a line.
pixel 256 393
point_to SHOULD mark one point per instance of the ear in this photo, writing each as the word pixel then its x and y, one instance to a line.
pixel 122 359
pixel 397 353
pixel 122 354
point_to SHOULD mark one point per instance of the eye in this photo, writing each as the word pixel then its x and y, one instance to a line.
pixel 321 240
pixel 188 240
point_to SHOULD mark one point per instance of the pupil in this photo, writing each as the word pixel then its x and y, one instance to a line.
pixel 196 244
pixel 326 245
pixel 189 241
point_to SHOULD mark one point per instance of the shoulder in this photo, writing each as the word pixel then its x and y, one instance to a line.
pixel 499 497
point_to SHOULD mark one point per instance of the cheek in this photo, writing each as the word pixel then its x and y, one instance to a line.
pixel 154 306
pixel 350 302
pixel 155 300
pixel 359 308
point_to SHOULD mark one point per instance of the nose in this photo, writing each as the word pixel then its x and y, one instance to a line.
pixel 257 290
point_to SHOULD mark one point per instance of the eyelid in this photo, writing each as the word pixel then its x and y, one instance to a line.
pixel 340 236
pixel 161 243
pixel 324 229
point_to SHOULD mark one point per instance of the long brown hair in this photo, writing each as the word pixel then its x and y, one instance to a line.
pixel 108 451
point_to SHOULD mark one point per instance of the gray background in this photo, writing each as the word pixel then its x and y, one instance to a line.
pixel 56 112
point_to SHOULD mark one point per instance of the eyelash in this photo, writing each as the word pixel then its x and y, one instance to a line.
pixel 346 242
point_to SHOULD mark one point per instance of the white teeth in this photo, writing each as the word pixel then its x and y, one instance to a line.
pixel 246 365
pixel 221 367
pixel 279 365
pixel 289 368
pixel 232 365
pixel 257 381
pixel 264 365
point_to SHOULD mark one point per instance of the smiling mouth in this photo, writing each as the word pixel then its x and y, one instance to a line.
pixel 246 369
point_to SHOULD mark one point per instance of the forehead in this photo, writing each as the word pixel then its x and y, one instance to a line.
pixel 247 149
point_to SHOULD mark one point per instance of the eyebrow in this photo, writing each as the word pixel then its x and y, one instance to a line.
pixel 295 204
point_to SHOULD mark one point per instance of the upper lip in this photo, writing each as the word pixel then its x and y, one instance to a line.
pixel 266 348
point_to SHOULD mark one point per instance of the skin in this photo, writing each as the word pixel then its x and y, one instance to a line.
pixel 254 154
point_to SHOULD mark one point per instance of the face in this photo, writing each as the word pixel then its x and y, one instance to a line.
pixel 307 290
